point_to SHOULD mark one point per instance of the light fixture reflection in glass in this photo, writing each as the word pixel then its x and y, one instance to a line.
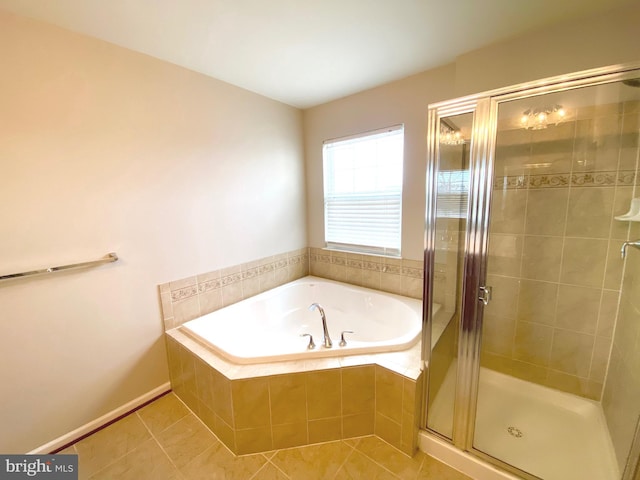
pixel 539 118
pixel 449 136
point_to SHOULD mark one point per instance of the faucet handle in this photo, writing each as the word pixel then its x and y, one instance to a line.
pixel 311 345
pixel 343 342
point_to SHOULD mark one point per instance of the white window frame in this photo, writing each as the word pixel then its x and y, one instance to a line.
pixel 361 215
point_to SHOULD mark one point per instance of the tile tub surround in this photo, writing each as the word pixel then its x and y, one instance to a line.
pixel 554 247
pixel 188 298
pixel 400 276
pixel 255 408
pixel 388 381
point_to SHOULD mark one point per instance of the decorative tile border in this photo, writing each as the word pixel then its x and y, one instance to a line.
pixel 235 278
pixel 563 180
pixel 394 275
pixel 369 265
pixel 188 298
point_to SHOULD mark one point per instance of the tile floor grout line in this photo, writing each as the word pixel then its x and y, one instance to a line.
pixel 160 445
pixel 217 439
pixel 344 461
pixel 290 448
pixel 269 462
pixel 395 449
pixel 117 458
pixel 170 425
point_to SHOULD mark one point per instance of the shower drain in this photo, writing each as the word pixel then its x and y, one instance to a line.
pixel 515 432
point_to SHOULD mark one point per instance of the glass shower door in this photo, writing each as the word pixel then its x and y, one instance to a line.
pixel 452 174
pixel 564 165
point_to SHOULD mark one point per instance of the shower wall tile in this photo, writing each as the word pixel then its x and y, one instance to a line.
pixel 529 372
pixel 507 211
pixel 578 308
pixel 532 343
pixel 551 148
pixel 622 198
pixel 613 268
pixel 571 352
pixel 600 361
pixel 541 258
pixel 630 140
pixel 513 151
pixel 546 212
pixel 537 301
pixel 597 144
pixel 505 254
pixel 583 261
pixel 573 384
pixel 590 212
pixel 608 313
pixel 505 296
pixel 566 184
pixel 498 334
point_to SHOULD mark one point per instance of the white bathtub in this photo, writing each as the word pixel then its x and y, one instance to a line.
pixel 268 326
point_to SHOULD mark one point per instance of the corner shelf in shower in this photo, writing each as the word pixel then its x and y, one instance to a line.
pixel 633 215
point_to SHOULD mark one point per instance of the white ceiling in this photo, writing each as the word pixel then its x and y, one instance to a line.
pixel 304 52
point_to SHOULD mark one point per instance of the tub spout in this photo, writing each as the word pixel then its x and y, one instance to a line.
pixel 326 341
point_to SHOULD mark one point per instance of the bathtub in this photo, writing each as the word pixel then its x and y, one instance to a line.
pixel 269 327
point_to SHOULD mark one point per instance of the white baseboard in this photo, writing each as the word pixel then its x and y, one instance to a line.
pixel 99 422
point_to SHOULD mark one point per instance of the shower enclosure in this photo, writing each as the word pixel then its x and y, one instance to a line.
pixel 538 369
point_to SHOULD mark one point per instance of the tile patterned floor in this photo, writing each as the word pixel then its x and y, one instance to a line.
pixel 165 440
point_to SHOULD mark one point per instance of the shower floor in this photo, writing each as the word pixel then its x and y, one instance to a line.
pixel 550 434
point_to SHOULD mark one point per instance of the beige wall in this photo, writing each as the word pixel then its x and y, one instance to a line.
pixel 406 102
pixel 103 149
pixel 588 43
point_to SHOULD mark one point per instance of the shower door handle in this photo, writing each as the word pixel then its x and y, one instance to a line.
pixel 485 294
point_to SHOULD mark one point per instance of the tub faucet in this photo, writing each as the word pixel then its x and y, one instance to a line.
pixel 326 341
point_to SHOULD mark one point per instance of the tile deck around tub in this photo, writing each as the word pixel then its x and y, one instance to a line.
pixel 404 362
pixel 165 440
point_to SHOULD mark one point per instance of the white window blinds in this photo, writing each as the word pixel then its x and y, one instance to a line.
pixel 452 199
pixel 363 192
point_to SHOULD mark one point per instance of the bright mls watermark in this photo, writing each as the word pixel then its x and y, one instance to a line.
pixel 50 467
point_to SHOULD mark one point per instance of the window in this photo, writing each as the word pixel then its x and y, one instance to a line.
pixel 363 192
pixel 452 199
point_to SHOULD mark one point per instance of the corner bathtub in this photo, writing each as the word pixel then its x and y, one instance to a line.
pixel 268 326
